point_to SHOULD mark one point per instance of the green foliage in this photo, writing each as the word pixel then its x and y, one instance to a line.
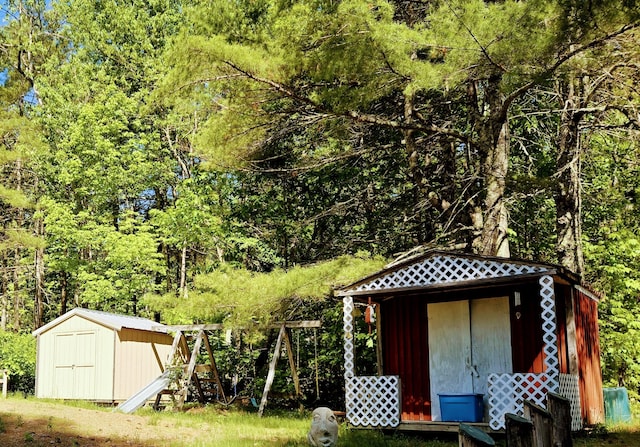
pixel 613 254
pixel 242 298
pixel 18 357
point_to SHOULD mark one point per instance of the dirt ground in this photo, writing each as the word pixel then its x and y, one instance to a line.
pixel 30 423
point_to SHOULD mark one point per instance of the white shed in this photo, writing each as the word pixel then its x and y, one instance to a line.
pixel 98 356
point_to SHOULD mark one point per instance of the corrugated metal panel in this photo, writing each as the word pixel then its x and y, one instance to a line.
pixel 406 354
pixel 588 346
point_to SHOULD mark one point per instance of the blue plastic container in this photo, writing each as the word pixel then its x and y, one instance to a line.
pixel 461 407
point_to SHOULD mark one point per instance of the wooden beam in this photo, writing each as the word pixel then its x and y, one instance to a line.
pixel 302 324
pixel 214 368
pixel 174 349
pixel 571 342
pixel 379 356
pixel 191 367
pixel 292 363
pixel 272 370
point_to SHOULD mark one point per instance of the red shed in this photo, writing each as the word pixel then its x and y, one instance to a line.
pixel 452 324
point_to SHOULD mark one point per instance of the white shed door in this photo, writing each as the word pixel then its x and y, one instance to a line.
pixel 75 365
pixel 491 340
pixel 449 351
pixel 467 342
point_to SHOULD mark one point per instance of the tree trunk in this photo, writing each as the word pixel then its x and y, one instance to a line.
pixel 64 292
pixel 17 301
pixel 415 170
pixel 493 238
pixel 3 293
pixel 38 311
pixel 489 117
pixel 183 271
pixel 568 196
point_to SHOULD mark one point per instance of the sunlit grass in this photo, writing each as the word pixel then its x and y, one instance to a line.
pixel 236 427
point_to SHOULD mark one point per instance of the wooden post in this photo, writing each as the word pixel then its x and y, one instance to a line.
pixel 519 431
pixel 5 383
pixel 379 356
pixel 469 436
pixel 214 368
pixel 191 369
pixel 292 363
pixel 560 409
pixel 272 370
pixel 542 424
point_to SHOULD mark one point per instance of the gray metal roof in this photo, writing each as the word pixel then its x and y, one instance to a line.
pixel 110 320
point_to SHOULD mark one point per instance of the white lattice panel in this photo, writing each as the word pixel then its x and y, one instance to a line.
pixel 349 349
pixel 444 269
pixel 507 393
pixel 569 389
pixel 373 401
pixel 550 338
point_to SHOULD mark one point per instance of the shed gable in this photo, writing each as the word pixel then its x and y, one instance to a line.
pixel 442 269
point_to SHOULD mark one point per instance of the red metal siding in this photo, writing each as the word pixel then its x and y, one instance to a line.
pixel 588 346
pixel 406 353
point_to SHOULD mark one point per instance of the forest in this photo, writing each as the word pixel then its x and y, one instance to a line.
pixel 209 161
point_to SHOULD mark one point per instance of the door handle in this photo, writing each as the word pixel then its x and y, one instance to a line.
pixel 474 370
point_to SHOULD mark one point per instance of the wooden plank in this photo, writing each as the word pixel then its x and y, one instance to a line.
pixel 519 431
pixel 469 436
pixel 214 368
pixel 292 363
pixel 379 356
pixel 191 327
pixel 572 344
pixel 272 370
pixel 189 373
pixel 560 409
pixel 542 424
pixel 438 427
pixel 303 324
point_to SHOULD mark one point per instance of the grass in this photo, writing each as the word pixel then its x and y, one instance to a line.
pixel 221 427
pixel 236 428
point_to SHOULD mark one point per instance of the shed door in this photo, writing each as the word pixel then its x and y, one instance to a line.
pixel 491 341
pixel 467 342
pixel 75 364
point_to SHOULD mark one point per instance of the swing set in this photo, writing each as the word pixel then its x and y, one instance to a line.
pixel 188 370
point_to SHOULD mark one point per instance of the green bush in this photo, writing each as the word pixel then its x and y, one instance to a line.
pixel 18 357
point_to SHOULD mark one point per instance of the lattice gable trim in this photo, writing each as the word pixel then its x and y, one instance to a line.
pixel 444 269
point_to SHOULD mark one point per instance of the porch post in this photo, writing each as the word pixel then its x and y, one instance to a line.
pixel 550 337
pixel 349 347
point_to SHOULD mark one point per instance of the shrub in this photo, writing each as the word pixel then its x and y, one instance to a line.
pixel 18 357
